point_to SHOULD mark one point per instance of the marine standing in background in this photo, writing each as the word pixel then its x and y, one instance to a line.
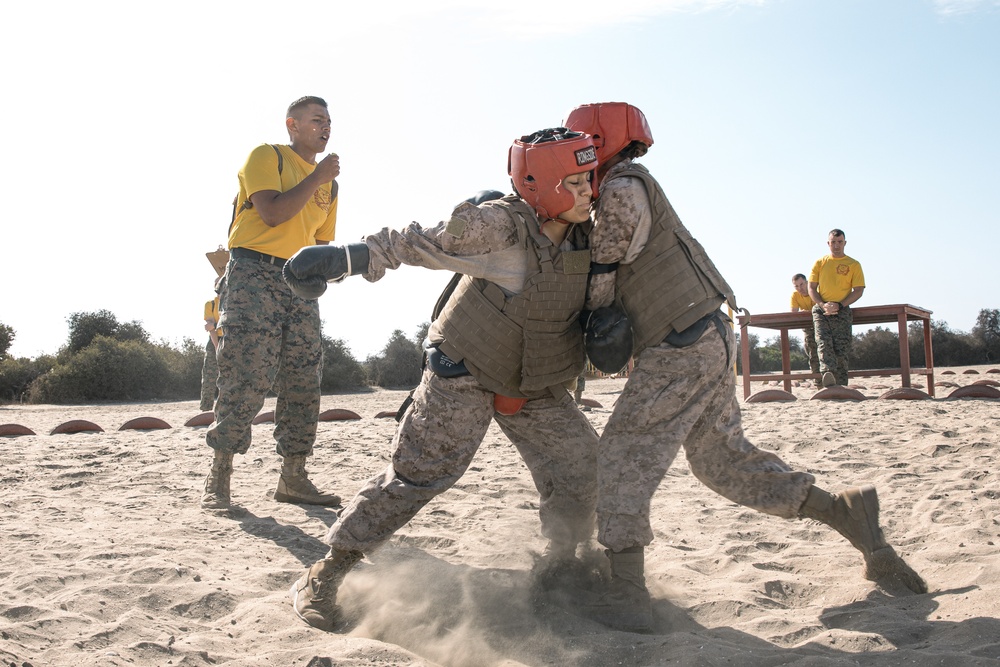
pixel 835 283
pixel 682 390
pixel 287 201
pixel 802 301
pixel 210 365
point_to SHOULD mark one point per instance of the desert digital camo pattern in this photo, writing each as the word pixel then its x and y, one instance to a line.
pixel 834 337
pixel 481 241
pixel 675 396
pixel 436 440
pixel 684 396
pixel 272 340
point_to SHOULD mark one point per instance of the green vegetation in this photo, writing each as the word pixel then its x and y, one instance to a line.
pixel 108 360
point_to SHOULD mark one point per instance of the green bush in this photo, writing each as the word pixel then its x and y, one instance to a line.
pixel 341 371
pixel 16 375
pixel 7 336
pixel 398 366
pixel 85 327
pixel 114 370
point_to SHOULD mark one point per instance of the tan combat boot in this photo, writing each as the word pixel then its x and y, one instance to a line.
pixel 294 485
pixel 625 604
pixel 557 565
pixel 216 496
pixel 314 595
pixel 854 514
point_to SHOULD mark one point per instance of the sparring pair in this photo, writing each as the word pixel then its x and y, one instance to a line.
pixel 658 296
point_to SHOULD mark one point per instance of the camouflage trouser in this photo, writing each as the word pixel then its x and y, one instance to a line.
pixel 436 441
pixel 809 343
pixel 272 341
pixel 834 337
pixel 684 396
pixel 209 377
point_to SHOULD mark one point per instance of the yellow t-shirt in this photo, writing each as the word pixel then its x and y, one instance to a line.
pixel 212 312
pixel 801 301
pixel 317 221
pixel 836 277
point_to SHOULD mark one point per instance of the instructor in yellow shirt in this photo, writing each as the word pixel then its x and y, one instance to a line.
pixel 835 283
pixel 287 201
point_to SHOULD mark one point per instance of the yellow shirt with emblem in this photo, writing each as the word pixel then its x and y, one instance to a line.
pixel 317 221
pixel 837 277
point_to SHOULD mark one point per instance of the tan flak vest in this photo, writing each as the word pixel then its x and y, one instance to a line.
pixel 523 345
pixel 672 283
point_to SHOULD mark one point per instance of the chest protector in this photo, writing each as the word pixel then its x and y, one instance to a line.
pixel 520 345
pixel 672 283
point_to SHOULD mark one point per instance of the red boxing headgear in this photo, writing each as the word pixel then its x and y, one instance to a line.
pixel 538 163
pixel 614 125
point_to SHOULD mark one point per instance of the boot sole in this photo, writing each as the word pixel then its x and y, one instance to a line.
pixel 285 498
pixel 215 504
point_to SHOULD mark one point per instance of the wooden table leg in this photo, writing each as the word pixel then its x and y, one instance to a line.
pixel 904 350
pixel 745 359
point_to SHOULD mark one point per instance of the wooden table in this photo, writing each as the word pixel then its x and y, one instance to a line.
pixel 899 313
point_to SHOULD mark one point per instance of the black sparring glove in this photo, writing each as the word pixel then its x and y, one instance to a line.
pixel 607 336
pixel 484 196
pixel 311 268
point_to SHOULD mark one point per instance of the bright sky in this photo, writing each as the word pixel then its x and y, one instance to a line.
pixel 774 120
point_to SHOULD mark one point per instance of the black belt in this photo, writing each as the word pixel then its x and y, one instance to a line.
pixel 244 253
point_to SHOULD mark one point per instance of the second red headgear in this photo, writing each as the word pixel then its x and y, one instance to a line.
pixel 614 125
pixel 538 163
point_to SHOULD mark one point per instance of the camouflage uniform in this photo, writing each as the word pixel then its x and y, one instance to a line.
pixel 835 335
pixel 443 427
pixel 674 395
pixel 209 377
pixel 436 440
pixel 272 341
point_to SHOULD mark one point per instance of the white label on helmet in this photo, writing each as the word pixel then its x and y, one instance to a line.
pixel 585 156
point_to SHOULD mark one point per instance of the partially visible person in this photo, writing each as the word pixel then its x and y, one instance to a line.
pixel 287 201
pixel 210 365
pixel 836 282
pixel 801 301
pixel 681 391
pixel 503 347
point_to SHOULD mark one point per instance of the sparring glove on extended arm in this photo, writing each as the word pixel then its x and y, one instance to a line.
pixel 309 270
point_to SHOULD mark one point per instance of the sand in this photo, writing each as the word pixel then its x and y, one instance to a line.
pixel 107 558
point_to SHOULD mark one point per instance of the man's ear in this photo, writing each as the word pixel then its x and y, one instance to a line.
pixel 291 126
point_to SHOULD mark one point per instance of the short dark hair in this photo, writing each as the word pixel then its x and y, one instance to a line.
pixel 302 103
pixel 837 232
pixel 799 275
pixel 634 150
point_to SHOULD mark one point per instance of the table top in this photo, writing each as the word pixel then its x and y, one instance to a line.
pixel 862 315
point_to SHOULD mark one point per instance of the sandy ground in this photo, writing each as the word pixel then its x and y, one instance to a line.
pixel 107 558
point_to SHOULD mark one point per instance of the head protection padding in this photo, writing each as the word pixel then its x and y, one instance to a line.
pixel 613 125
pixel 538 163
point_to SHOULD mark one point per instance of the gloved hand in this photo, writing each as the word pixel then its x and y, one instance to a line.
pixel 607 336
pixel 484 196
pixel 308 271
